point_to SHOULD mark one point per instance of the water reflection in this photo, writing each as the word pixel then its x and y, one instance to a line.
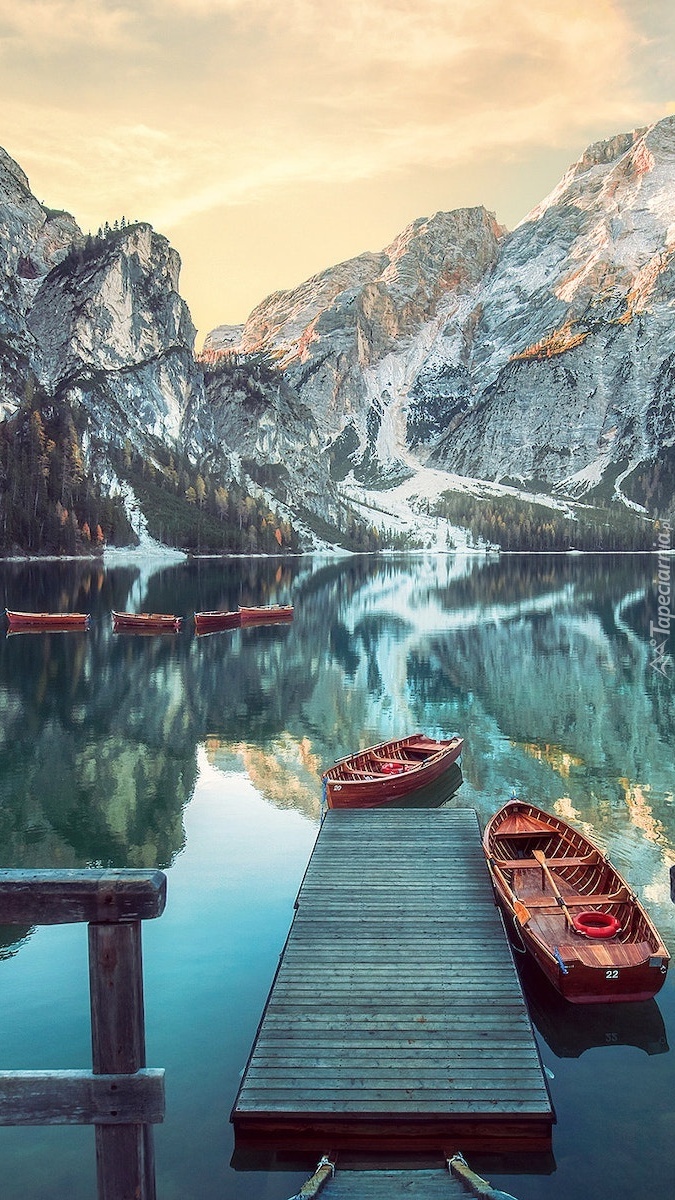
pixel 541 663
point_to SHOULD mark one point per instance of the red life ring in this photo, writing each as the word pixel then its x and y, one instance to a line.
pixel 391 768
pixel 596 924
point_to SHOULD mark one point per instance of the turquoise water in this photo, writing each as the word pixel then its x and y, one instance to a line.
pixel 202 756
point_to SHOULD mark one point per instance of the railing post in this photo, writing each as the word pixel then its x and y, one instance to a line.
pixel 124 1153
pixel 120 1097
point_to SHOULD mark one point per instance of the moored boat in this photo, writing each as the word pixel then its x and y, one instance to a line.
pixel 145 622
pixel 59 622
pixel 388 771
pixel 267 614
pixel 574 912
pixel 210 622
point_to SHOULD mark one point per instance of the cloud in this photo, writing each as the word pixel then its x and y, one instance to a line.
pixel 46 26
pixel 169 110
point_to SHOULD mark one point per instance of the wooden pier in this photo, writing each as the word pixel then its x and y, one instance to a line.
pixel 396 1020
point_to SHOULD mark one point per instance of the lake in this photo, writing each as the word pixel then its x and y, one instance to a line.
pixel 202 756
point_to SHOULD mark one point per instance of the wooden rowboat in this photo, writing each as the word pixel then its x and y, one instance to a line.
pixel 574 912
pixel 267 615
pixel 145 622
pixel 210 622
pixel 59 622
pixel 388 771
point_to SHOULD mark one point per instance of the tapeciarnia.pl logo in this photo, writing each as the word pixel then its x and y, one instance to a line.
pixel 659 630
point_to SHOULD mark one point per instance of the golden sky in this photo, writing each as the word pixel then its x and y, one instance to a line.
pixel 269 139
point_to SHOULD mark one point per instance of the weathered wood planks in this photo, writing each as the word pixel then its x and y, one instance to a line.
pixel 396 1015
pixel 424 1184
pixel 81 1098
pixel 54 897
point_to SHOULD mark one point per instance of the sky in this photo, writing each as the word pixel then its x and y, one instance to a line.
pixel 271 139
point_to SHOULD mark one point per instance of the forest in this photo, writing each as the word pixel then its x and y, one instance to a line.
pixel 515 524
pixel 49 504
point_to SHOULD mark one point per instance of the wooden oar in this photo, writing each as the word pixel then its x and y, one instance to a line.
pixel 523 914
pixel 541 859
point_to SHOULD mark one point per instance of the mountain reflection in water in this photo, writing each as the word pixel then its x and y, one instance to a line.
pixel 541 663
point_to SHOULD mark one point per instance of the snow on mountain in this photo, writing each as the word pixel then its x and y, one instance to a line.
pixel 351 340
pixel 544 355
pixel 572 359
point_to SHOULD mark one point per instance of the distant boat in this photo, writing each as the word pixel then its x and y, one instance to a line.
pixel 268 615
pixel 145 622
pixel 573 911
pixel 388 771
pixel 59 622
pixel 210 622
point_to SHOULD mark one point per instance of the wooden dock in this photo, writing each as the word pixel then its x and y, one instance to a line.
pixel 396 1020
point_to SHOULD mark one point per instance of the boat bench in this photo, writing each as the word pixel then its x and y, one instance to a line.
pixel 516 864
pixel 356 771
pixel 550 901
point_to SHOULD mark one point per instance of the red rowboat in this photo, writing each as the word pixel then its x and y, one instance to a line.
pixel 210 622
pixel 59 622
pixel 145 622
pixel 574 912
pixel 264 616
pixel 388 771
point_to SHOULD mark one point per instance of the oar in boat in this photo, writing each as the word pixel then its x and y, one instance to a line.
pixel 522 912
pixel 541 859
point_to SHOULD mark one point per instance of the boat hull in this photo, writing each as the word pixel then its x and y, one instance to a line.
pixel 421 761
pixel 211 622
pixel 582 984
pixel 271 615
pixel 553 885
pixel 146 622
pixel 59 622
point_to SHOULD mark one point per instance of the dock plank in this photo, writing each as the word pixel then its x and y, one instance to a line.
pixel 393 1185
pixel 396 1012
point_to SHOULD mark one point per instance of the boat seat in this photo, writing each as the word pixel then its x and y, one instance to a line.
pixel 516 864
pixel 356 771
pixel 549 901
pixel 619 897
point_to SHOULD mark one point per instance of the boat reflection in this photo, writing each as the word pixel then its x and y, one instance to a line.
pixel 571 1029
pixel 434 794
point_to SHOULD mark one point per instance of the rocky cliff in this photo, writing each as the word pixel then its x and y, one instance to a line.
pixel 544 355
pixel 572 361
pixel 94 326
pixel 352 340
pixel 96 320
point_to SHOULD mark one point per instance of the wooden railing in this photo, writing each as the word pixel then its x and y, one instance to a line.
pixel 120 1097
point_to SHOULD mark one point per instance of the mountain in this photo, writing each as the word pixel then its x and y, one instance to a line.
pixel 543 357
pixel 102 396
pixel 352 340
pixel 573 360
pixel 464 383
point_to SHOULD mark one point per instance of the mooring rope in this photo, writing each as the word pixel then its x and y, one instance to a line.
pixel 479 1187
pixel 312 1186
